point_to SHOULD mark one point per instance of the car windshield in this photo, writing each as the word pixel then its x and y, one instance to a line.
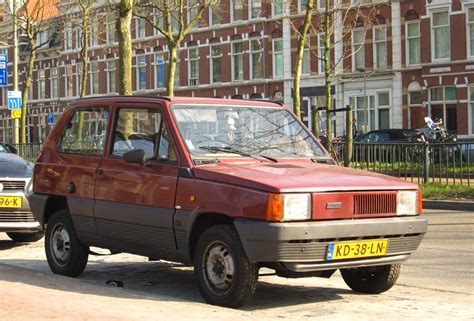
pixel 245 131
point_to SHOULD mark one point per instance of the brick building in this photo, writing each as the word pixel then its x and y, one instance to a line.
pixel 416 59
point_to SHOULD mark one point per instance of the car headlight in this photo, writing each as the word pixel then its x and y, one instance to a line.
pixel 289 207
pixel 408 203
pixel 29 187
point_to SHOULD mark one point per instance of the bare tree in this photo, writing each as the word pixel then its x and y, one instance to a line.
pixel 337 16
pixel 37 23
pixel 174 19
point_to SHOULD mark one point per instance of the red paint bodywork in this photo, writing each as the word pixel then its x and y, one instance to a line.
pixel 237 187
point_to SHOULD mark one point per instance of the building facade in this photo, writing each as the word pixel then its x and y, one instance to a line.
pixel 412 59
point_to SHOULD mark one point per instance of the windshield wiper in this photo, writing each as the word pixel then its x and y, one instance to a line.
pixel 236 151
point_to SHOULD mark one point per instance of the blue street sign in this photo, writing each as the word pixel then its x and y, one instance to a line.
pixel 14 99
pixel 50 119
pixel 3 70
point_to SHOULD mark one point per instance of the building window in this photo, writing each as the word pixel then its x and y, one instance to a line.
pixel 216 13
pixel 414 98
pixel 380 47
pixel 321 51
pixel 470 32
pixel 237 10
pixel 111 76
pixel 193 10
pixel 255 7
pixel 193 69
pixel 94 31
pixel 373 111
pixel 277 58
pixel 256 58
pixel 438 94
pixel 216 63
pixel 68 36
pixel 441 39
pixel 110 28
pixel 413 43
pixel 53 78
pixel 302 5
pixel 41 84
pixel 79 37
pixel 141 73
pixel 177 73
pixel 306 65
pixel 94 67
pixel 237 61
pixel 42 38
pixel 140 24
pixel 68 82
pixel 277 8
pixel 358 49
pixel 78 79
pixel 159 70
pixel 157 20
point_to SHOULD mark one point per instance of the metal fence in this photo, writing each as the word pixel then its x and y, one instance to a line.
pixel 443 163
pixel 28 151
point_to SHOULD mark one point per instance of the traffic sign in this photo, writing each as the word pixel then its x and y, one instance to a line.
pixel 16 113
pixel 14 99
pixel 50 119
pixel 3 70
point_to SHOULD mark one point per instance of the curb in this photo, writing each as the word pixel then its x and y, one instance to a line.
pixel 448 205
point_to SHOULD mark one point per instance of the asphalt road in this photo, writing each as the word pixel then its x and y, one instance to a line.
pixel 436 283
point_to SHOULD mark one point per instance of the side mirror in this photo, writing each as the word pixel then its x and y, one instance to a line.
pixel 136 156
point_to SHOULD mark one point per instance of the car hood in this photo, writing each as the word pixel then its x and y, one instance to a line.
pixel 13 166
pixel 297 176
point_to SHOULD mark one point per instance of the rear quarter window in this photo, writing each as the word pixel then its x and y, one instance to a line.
pixel 85 132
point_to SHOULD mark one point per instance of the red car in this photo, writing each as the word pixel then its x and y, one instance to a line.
pixel 228 186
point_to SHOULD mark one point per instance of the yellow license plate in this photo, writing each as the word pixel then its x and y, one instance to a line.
pixel 10 202
pixel 351 250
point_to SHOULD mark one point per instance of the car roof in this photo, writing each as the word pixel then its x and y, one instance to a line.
pixel 172 100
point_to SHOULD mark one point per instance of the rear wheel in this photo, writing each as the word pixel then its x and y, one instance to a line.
pixel 372 280
pixel 65 253
pixel 26 237
pixel 225 275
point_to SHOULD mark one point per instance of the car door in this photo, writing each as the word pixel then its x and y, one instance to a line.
pixel 79 152
pixel 134 203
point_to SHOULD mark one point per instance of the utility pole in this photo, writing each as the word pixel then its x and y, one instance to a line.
pixel 16 121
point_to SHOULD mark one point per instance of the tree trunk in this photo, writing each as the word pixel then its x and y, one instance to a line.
pixel 173 52
pixel 24 93
pixel 327 75
pixel 85 50
pixel 125 46
pixel 299 58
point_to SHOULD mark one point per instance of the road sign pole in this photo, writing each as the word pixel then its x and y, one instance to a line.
pixel 16 122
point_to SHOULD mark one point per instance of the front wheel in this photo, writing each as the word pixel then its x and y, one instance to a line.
pixel 65 253
pixel 26 237
pixel 372 280
pixel 225 275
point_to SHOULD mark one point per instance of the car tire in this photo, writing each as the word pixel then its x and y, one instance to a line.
pixel 372 280
pixel 26 237
pixel 65 253
pixel 225 275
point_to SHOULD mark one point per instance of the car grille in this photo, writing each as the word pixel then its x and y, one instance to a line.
pixel 375 203
pixel 13 185
pixel 16 217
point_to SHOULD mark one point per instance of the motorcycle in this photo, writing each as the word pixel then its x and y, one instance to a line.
pixel 437 133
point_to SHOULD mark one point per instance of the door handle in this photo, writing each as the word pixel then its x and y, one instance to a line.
pixel 100 171
pixel 71 188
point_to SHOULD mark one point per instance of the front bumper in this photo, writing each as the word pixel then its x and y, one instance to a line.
pixel 302 246
pixel 18 219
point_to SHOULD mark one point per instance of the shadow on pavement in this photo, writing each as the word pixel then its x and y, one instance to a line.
pixel 8 244
pixel 159 281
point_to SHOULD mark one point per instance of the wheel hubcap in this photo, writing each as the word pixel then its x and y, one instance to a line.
pixel 61 244
pixel 219 268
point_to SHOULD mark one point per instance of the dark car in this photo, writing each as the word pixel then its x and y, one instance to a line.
pixel 229 186
pixel 388 136
pixel 16 218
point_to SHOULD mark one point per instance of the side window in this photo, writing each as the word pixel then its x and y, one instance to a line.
pixel 141 128
pixel 85 132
